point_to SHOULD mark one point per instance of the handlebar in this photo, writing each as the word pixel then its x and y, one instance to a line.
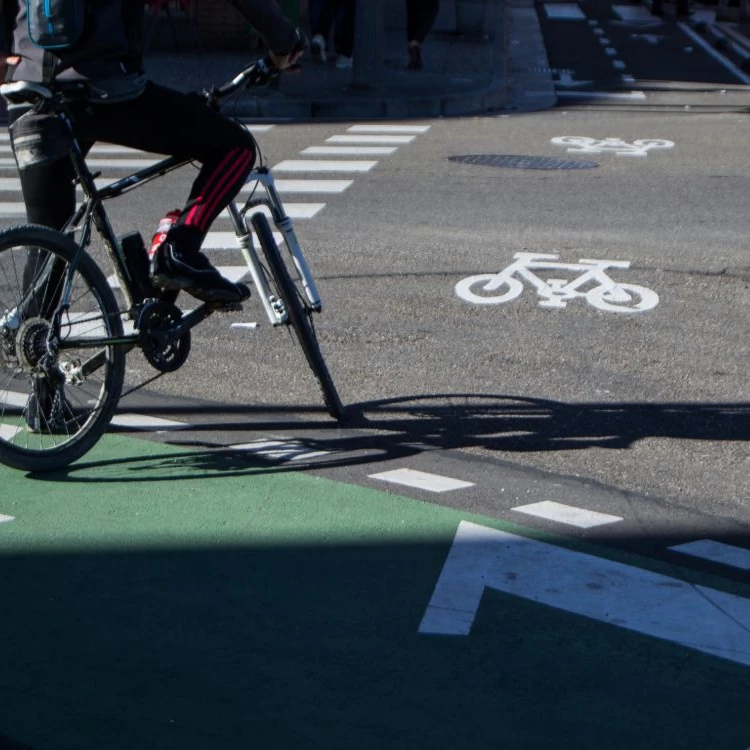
pixel 259 73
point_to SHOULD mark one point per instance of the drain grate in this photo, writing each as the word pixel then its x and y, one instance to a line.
pixel 513 161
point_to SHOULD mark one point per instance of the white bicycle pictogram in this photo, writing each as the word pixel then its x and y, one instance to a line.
pixel 592 283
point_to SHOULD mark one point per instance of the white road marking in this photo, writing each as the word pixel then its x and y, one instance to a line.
pixel 567 514
pixel 8 432
pixel 564 11
pixel 142 422
pixel 293 210
pixel 307 186
pixel 228 241
pixel 421 480
pixel 696 617
pixel 701 42
pixel 5 519
pixel 348 150
pixel 278 450
pixel 626 96
pixel 726 554
pixel 633 13
pixel 313 165
pixel 370 138
pixel 378 128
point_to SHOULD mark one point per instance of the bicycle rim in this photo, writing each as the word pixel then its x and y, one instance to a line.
pixel 54 406
pixel 299 315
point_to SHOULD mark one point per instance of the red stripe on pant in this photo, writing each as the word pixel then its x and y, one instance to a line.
pixel 221 186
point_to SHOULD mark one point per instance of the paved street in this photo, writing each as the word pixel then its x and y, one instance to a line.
pixel 531 531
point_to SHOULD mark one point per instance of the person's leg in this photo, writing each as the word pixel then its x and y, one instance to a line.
pixel 48 192
pixel 423 14
pixel 321 29
pixel 169 122
pixel 344 35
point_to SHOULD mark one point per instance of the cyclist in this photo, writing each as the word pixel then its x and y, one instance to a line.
pixel 102 46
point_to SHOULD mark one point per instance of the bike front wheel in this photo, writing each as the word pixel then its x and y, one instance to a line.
pixel 58 389
pixel 299 314
pixel 488 289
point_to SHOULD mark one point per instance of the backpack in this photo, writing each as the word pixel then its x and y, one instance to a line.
pixel 55 24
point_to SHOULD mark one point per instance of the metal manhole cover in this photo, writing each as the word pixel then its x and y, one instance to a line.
pixel 514 161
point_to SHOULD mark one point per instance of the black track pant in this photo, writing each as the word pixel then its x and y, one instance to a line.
pixel 420 16
pixel 161 121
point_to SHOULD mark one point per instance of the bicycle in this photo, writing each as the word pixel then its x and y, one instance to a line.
pixel 62 341
pixel 593 284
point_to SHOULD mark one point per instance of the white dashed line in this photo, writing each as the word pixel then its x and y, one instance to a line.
pixel 143 422
pixel 726 554
pixel 421 480
pixel 567 514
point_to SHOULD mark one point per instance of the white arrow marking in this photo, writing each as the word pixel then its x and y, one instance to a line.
pixel 695 617
pixel 5 519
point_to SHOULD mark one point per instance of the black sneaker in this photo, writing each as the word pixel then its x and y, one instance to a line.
pixel 48 412
pixel 171 270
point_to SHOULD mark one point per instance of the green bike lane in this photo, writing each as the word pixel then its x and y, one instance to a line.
pixel 183 599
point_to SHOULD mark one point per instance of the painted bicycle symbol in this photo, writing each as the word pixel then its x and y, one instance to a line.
pixel 592 283
pixel 583 145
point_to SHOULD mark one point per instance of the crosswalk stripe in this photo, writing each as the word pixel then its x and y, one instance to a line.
pixel 380 128
pixel 252 127
pixel 312 165
pixel 369 138
pixel 564 11
pixel 228 240
pixel 8 163
pixel 348 150
pixel 308 186
pixel 9 184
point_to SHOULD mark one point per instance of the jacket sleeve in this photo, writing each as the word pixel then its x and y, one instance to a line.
pixel 268 20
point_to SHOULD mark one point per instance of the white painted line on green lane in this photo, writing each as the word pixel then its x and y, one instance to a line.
pixel 421 480
pixel 567 514
pixel 726 554
pixel 656 605
pixel 5 519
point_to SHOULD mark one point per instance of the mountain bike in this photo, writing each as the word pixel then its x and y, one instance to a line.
pixel 63 336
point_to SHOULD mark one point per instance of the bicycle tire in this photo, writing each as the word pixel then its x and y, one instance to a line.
pixel 299 315
pixel 69 401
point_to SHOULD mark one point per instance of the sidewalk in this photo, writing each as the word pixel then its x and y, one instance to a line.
pixel 504 70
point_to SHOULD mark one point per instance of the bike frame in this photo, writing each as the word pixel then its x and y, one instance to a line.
pixel 561 289
pixel 92 210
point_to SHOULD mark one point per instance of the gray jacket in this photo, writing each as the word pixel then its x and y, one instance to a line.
pixel 109 54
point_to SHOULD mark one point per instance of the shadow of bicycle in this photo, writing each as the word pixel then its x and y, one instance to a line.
pixel 396 428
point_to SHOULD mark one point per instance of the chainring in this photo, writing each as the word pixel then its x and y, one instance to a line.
pixel 162 350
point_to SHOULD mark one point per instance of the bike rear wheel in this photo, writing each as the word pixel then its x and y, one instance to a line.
pixel 299 314
pixel 55 401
